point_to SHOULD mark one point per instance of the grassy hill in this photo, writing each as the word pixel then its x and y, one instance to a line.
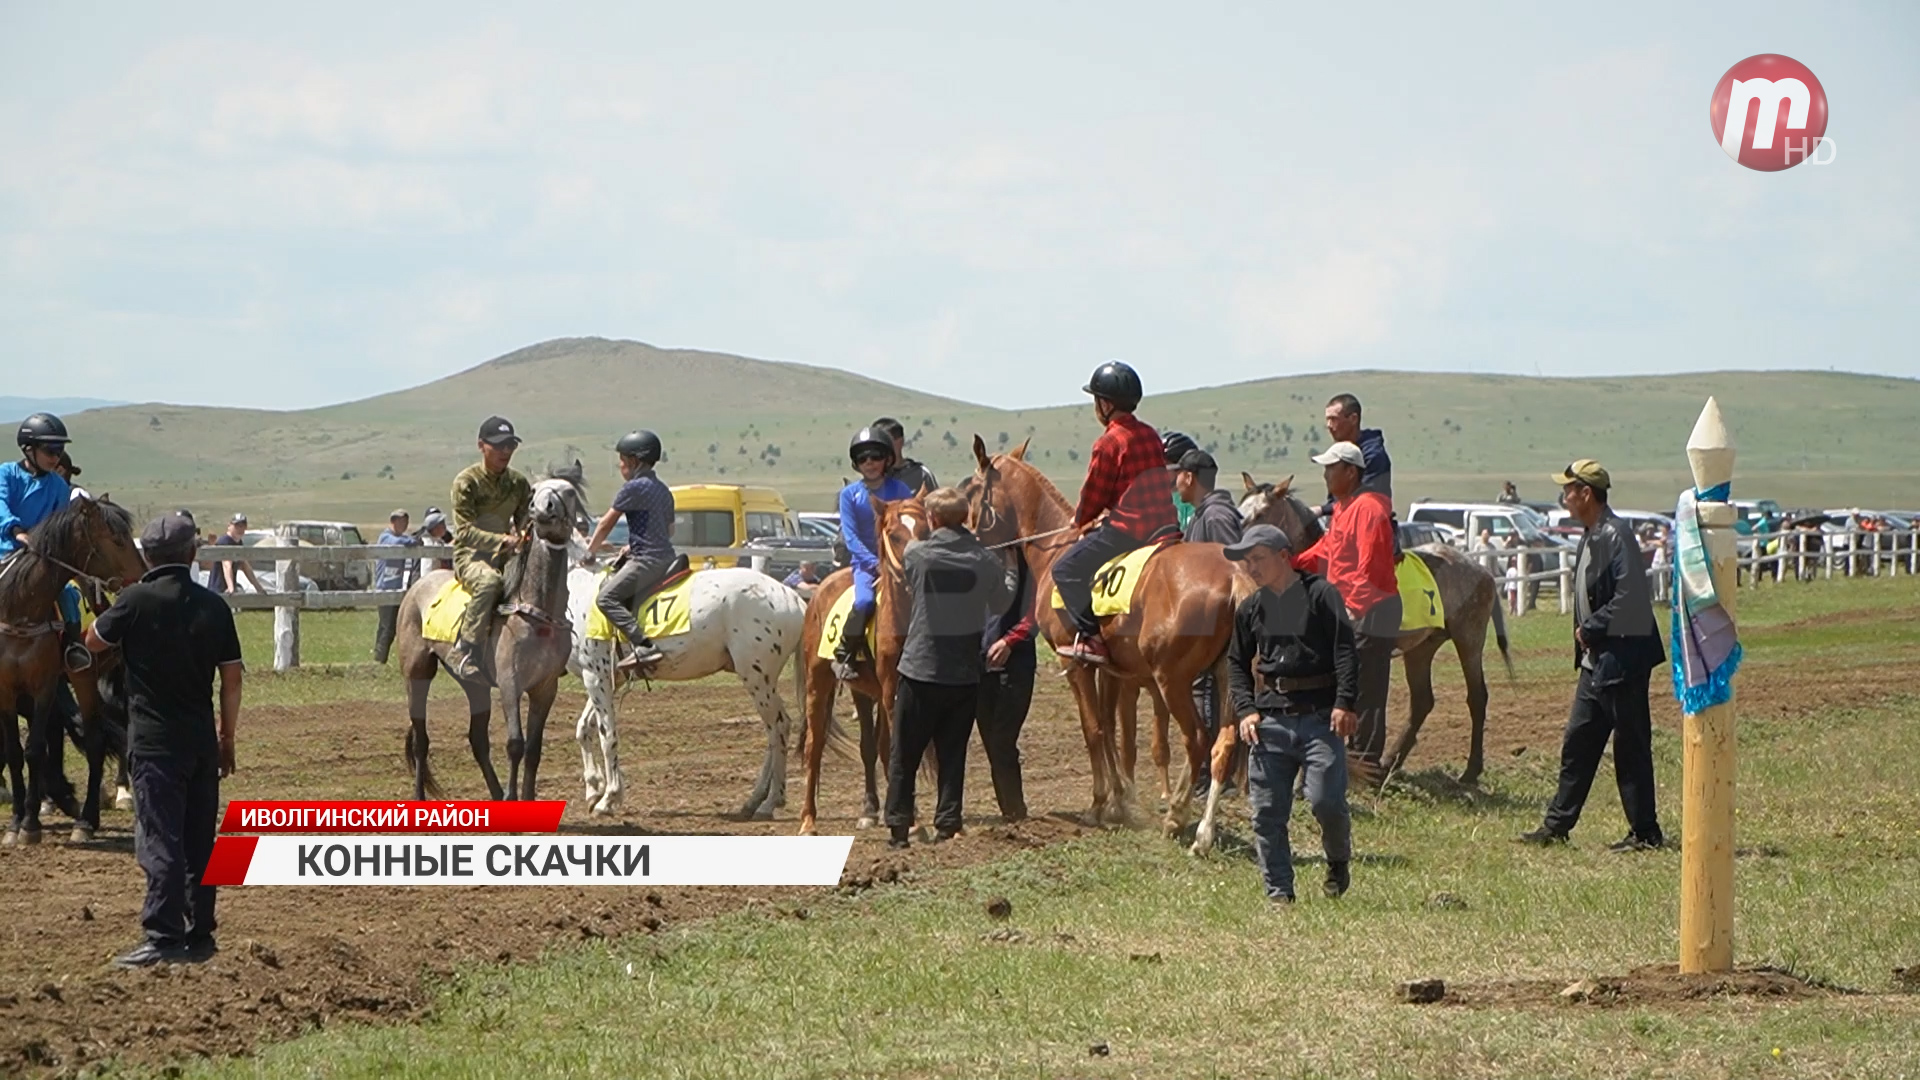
pixel 1804 437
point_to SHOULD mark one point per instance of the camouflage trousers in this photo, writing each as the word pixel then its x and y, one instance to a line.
pixel 483 583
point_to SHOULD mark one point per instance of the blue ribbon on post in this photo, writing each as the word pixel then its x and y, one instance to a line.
pixel 1716 493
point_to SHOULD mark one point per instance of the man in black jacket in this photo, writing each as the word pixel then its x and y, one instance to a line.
pixel 1216 520
pixel 1616 646
pixel 953 584
pixel 1294 677
pixel 1006 691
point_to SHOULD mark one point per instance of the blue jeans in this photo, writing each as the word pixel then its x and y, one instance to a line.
pixel 1287 745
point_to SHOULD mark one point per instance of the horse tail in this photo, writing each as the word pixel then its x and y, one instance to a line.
pixel 1500 635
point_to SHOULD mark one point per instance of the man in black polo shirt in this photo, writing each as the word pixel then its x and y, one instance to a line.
pixel 173 634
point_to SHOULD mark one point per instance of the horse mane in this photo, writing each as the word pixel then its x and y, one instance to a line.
pixel 59 536
pixel 1046 486
pixel 1309 521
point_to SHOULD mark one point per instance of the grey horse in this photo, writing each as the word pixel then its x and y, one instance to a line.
pixel 526 651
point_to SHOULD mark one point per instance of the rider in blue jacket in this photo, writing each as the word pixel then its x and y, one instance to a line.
pixel 872 453
pixel 31 489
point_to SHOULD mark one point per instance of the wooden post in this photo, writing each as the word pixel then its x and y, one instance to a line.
pixel 1706 823
pixel 286 617
pixel 1566 582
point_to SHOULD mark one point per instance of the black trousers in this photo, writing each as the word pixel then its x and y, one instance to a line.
pixel 1001 710
pixel 1073 574
pixel 1374 638
pixel 176 811
pixel 1619 710
pixel 383 637
pixel 940 715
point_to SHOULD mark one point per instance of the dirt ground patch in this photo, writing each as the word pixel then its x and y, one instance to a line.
pixel 294 959
pixel 1656 985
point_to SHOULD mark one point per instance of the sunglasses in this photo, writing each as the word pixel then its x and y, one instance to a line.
pixel 871 455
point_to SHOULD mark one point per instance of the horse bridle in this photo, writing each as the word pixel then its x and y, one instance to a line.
pixel 989 517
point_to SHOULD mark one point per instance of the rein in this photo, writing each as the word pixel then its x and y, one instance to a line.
pixel 1035 536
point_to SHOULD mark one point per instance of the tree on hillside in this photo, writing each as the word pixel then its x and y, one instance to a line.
pixel 1003 438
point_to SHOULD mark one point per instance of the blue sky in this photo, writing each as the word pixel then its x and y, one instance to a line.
pixel 239 205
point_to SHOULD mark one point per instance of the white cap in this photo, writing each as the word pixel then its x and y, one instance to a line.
pixel 1342 451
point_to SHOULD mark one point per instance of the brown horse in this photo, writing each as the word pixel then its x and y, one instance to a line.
pixel 896 524
pixel 1178 625
pixel 526 651
pixel 88 540
pixel 1470 597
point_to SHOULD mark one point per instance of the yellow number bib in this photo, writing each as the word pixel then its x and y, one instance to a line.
pixel 1113 586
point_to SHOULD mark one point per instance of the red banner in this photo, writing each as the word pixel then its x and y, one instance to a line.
pixel 302 816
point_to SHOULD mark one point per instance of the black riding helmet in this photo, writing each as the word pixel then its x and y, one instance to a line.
pixel 1118 383
pixel 870 438
pixel 642 444
pixel 42 429
pixel 1176 444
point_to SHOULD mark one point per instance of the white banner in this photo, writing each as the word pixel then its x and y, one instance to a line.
pixel 529 860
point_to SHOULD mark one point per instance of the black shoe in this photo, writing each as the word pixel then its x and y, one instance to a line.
pixel 1280 899
pixel 1541 837
pixel 897 837
pixel 941 836
pixel 1631 843
pixel 200 950
pixel 149 953
pixel 1339 879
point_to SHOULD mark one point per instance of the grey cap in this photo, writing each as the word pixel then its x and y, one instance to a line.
pixel 1195 460
pixel 434 517
pixel 238 519
pixel 169 531
pixel 1256 536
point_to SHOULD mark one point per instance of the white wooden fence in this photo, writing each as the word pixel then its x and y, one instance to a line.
pixel 1803 554
pixel 287 604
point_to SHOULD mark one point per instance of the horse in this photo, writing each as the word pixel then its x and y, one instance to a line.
pixel 896 524
pixel 86 539
pixel 1181 618
pixel 740 621
pixel 1470 597
pixel 526 649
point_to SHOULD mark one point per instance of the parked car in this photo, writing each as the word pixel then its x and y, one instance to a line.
pixel 1501 520
pixel 824 526
pixel 1414 534
pixel 786 553
pixel 339 575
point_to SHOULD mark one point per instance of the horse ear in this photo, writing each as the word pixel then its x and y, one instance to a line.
pixel 1247 479
pixel 980 454
pixel 1020 452
pixel 926 487
pixel 1284 486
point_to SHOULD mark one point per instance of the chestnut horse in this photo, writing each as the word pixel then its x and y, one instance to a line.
pixel 1181 618
pixel 88 540
pixel 896 524
pixel 1470 599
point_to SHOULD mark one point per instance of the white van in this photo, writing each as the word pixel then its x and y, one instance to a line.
pixel 1501 520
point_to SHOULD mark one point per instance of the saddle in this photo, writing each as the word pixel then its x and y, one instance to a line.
pixel 662 611
pixel 1117 578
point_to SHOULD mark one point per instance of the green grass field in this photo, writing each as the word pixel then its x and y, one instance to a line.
pixel 1179 968
pixel 1806 438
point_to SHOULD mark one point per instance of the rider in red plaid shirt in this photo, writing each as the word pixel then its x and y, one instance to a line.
pixel 1128 481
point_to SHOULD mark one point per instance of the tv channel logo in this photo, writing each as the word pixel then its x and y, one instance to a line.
pixel 1770 113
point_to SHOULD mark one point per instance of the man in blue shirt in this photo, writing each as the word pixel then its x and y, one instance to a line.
pixel 31 489
pixel 390 575
pixel 872 453
pixel 648 506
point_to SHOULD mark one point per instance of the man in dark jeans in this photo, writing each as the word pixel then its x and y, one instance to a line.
pixel 173 635
pixel 390 575
pixel 953 584
pixel 1616 646
pixel 1006 691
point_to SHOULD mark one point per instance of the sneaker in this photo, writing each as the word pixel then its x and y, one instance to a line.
pixel 1631 843
pixel 1279 899
pixel 1339 879
pixel 642 656
pixel 1087 649
pixel 200 950
pixel 897 837
pixel 1541 837
pixel 941 836
pixel 149 953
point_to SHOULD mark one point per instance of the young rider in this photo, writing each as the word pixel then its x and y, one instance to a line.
pixel 872 453
pixel 648 507
pixel 31 489
pixel 490 501
pixel 1128 482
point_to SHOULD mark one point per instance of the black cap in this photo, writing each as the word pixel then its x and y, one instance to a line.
pixel 168 531
pixel 1262 535
pixel 1195 461
pixel 498 431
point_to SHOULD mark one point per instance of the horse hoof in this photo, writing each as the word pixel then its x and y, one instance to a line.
pixel 765 813
pixel 29 836
pixel 123 799
pixel 807 828
pixel 81 835
pixel 864 821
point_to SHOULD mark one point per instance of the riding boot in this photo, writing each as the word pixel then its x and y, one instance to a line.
pixel 77 657
pixel 463 659
pixel 853 645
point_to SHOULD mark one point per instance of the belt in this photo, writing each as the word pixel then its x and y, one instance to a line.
pixel 1307 682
